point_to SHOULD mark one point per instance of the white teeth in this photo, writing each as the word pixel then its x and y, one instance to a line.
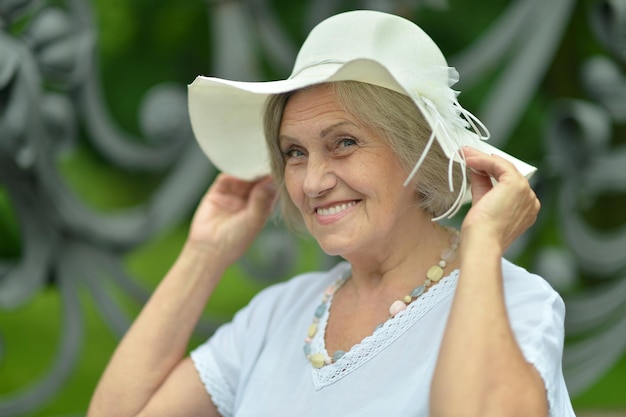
pixel 334 210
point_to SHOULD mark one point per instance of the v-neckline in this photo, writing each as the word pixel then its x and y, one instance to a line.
pixel 380 338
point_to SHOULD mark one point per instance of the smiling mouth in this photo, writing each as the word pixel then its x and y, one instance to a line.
pixel 329 211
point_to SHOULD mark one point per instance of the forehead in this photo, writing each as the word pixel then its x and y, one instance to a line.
pixel 313 108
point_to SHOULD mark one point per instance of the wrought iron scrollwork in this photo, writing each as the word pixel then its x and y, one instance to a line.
pixel 49 90
pixel 587 158
pixel 51 98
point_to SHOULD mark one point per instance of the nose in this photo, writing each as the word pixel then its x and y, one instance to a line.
pixel 319 177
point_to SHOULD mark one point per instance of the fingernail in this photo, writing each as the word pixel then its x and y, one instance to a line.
pixel 475 171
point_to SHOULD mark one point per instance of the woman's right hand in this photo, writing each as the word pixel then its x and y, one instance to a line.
pixel 230 216
pixel 504 210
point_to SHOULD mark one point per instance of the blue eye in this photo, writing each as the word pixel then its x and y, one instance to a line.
pixel 293 153
pixel 346 142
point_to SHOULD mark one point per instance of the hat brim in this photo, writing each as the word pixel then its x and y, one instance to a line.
pixel 227 116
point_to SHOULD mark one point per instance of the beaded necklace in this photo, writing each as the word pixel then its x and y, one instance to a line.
pixel 433 275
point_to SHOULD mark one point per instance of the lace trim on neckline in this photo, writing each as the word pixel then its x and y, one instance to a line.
pixel 382 337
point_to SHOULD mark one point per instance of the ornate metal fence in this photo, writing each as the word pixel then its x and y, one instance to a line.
pixel 51 99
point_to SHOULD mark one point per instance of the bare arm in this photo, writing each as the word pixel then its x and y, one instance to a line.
pixel 481 370
pixel 148 373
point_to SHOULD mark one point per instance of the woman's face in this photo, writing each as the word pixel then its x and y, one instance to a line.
pixel 345 179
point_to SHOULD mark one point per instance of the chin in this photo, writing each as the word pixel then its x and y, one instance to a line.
pixel 333 247
pixel 332 252
pixel 336 243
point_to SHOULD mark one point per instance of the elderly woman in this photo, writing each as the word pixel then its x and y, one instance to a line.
pixel 367 145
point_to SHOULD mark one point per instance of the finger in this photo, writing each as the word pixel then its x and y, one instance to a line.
pixel 262 197
pixel 481 184
pixel 227 184
pixel 491 165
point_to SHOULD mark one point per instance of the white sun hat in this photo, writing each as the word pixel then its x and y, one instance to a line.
pixel 368 46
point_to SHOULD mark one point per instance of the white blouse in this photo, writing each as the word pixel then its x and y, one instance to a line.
pixel 255 365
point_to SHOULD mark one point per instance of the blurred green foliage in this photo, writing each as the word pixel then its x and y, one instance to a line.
pixel 145 42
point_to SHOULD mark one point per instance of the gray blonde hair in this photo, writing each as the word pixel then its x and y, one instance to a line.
pixel 391 115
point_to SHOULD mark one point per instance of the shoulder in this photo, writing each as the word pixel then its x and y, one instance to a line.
pixel 529 297
pixel 273 309
pixel 302 289
pixel 513 272
pixel 517 278
pixel 524 288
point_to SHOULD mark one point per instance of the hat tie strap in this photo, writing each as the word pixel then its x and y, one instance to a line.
pixel 439 128
pixel 475 123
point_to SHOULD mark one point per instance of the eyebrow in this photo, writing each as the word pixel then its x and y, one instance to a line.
pixel 323 133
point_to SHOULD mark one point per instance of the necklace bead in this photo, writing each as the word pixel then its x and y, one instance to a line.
pixel 317 360
pixel 396 307
pixel 417 291
pixel 433 275
pixel 338 354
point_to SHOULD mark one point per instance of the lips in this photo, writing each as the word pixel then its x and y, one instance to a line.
pixel 334 209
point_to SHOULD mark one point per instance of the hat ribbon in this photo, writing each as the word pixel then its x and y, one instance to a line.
pixel 440 131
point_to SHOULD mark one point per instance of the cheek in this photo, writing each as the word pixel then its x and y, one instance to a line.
pixel 293 189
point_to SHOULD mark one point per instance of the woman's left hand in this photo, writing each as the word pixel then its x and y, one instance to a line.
pixel 498 381
pixel 505 209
